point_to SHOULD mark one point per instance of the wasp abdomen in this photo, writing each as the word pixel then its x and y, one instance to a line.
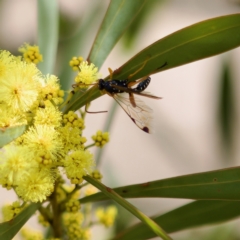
pixel 142 85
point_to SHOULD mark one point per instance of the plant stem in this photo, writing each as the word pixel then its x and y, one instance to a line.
pixel 56 224
pixel 128 206
pixel 90 145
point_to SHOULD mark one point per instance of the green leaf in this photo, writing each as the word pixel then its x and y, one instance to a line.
pixel 10 228
pixel 128 206
pixel 119 16
pixel 198 41
pixel 226 108
pixel 194 214
pixel 73 37
pixel 48 34
pixel 132 33
pixel 9 134
pixel 221 184
pixel 107 128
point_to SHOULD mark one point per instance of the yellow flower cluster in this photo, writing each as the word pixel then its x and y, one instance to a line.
pixel 51 90
pixel 72 223
pixel 107 216
pixel 28 234
pixel 88 74
pixel 97 175
pixel 72 132
pixel 43 221
pixel 75 62
pixel 78 164
pixel 10 211
pixel 30 164
pixel 19 84
pixel 71 119
pixel 101 138
pixel 34 164
pixel 73 205
pixel 31 54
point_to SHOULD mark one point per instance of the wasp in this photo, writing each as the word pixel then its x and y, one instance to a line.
pixel 136 109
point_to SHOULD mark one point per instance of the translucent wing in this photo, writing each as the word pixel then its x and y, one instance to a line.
pixel 140 114
pixel 130 90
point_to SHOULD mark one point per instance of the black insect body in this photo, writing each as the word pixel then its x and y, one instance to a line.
pixel 112 86
pixel 142 85
pixel 136 109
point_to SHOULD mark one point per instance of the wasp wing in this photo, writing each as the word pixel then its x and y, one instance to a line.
pixel 130 90
pixel 146 94
pixel 140 114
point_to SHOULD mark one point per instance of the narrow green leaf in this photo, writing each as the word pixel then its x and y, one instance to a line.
pixel 198 41
pixel 194 214
pixel 119 16
pixel 9 134
pixel 107 128
pixel 10 228
pixel 221 184
pixel 111 194
pixel 226 108
pixel 72 41
pixel 132 33
pixel 48 34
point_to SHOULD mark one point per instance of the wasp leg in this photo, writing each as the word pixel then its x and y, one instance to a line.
pixel 86 107
pixel 111 73
pixel 70 95
pixel 132 100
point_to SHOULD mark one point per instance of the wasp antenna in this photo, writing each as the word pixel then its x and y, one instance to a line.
pixel 96 112
pixel 85 84
pixel 93 112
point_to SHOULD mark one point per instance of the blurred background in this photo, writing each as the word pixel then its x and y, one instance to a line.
pixel 196 123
